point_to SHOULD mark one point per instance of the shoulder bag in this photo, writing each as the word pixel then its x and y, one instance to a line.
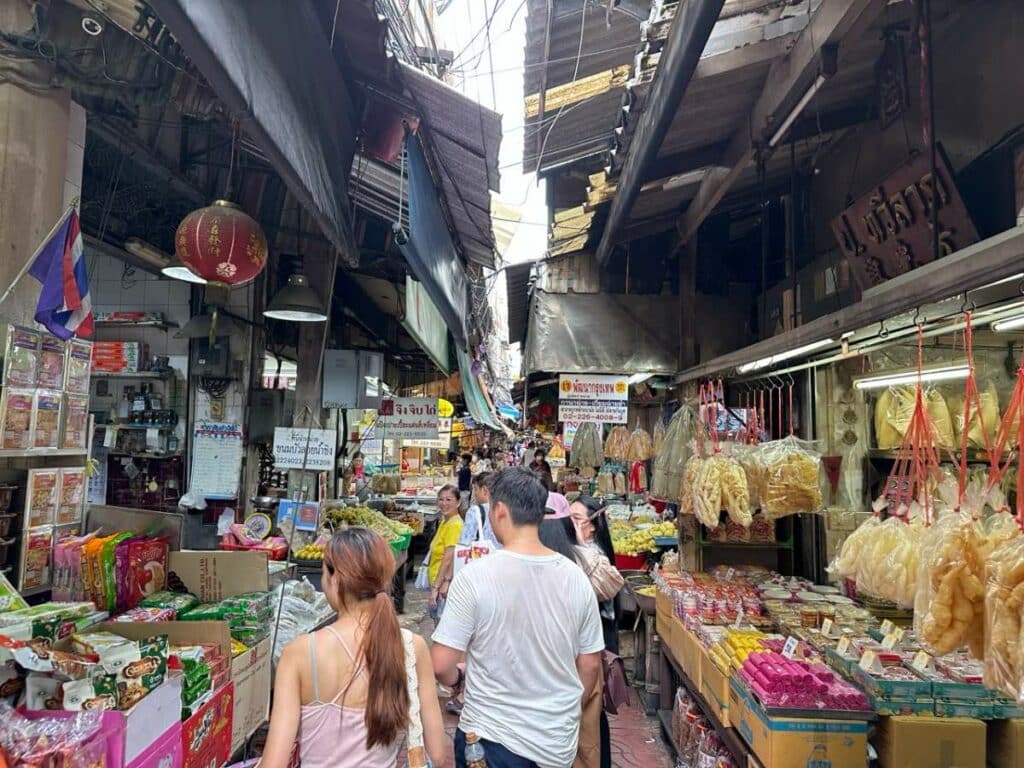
pixel 604 577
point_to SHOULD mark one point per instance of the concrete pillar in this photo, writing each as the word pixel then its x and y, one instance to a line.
pixel 33 160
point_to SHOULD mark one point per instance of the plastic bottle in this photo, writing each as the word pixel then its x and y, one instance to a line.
pixel 475 757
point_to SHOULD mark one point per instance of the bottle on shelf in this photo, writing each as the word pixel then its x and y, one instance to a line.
pixel 124 406
pixel 475 757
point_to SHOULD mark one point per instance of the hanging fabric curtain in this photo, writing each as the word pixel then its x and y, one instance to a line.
pixel 476 401
pixel 429 249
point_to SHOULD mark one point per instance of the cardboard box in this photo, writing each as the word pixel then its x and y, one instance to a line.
pixel 213 576
pixel 1005 743
pixel 798 742
pixel 691 651
pixel 206 736
pixel 118 356
pixel 251 675
pixel 178 632
pixel 948 742
pixel 714 686
pixel 165 752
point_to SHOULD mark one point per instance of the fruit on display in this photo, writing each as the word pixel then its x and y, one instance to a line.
pixel 882 559
pixel 587 446
pixel 337 518
pixel 386 484
pixel 671 458
pixel 630 540
pixel 310 552
pixel 616 447
pixel 949 609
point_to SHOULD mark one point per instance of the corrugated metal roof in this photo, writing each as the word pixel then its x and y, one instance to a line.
pixel 608 41
pixel 465 137
pixel 517 282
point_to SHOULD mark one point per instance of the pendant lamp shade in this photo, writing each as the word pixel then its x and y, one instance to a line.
pixel 297 302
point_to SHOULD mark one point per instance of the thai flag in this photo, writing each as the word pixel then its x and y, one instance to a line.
pixel 64 305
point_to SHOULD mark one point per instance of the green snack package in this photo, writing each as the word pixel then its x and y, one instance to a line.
pixel 108 564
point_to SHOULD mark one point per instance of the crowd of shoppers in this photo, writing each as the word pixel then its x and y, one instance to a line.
pixel 521 631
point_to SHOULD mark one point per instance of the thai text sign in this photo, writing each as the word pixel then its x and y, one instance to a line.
pixel 298 448
pixel 600 398
pixel 888 231
pixel 410 418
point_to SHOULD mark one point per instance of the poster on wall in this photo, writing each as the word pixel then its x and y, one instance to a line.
pixel 593 397
pixel 216 460
pixel 569 430
pixel 409 418
pixel 290 448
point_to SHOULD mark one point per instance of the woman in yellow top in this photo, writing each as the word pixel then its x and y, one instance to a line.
pixel 442 548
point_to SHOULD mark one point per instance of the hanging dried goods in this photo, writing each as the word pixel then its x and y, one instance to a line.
pixel 882 559
pixel 616 447
pixel 670 462
pixel 640 447
pixel 587 446
pixel 658 438
pixel 792 479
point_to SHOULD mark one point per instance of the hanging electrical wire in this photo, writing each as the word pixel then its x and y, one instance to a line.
pixel 575 74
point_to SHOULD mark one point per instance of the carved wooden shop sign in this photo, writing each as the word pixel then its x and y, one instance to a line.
pixel 888 231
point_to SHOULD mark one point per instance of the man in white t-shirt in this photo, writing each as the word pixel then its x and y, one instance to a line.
pixel 526 622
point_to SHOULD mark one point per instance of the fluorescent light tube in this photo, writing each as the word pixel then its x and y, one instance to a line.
pixel 949 372
pixel 1009 324
pixel 639 378
pixel 797 110
pixel 789 354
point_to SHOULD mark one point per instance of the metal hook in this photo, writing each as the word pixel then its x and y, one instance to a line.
pixel 970 303
pixel 918 320
pixel 792 381
pixel 882 332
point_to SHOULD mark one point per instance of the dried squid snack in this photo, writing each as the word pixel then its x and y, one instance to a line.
pixel 616 447
pixel 735 492
pixel 658 438
pixel 689 484
pixel 792 479
pixel 587 446
pixel 707 492
pixel 881 558
pixel 640 447
pixel 670 462
pixel 1004 611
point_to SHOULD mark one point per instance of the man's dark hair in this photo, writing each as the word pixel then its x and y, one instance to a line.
pixel 540 454
pixel 522 492
pixel 483 479
pixel 467 457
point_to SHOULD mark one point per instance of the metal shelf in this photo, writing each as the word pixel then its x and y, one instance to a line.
pixel 136 375
pixel 161 427
pixel 35 453
pixel 163 325
pixel 785 545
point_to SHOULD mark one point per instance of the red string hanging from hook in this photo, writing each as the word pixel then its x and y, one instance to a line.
pixel 791 409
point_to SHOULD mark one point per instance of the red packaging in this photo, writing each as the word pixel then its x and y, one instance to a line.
pixel 206 735
pixel 147 568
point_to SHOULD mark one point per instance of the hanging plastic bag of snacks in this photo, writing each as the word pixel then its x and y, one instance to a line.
pixel 640 447
pixel 616 447
pixel 792 478
pixel 670 462
pixel 657 438
pixel 587 446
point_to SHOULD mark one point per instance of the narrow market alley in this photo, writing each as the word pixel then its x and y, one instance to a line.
pixel 636 739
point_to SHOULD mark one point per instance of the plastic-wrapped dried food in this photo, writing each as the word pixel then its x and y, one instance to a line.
pixel 749 457
pixel 949 609
pixel 670 461
pixel 605 483
pixel 640 447
pixel 1004 610
pixel 882 559
pixel 616 447
pixel 689 484
pixel 587 446
pixel 620 484
pixel 982 425
pixel 658 438
pixel 736 493
pixel 792 479
pixel 895 408
pixel 707 492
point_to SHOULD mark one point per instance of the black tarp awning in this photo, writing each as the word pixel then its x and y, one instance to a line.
pixel 271 63
pixel 603 333
pixel 429 250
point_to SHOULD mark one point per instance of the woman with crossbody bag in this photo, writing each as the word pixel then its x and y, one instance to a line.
pixel 353 691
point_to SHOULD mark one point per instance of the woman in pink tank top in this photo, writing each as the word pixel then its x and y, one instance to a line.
pixel 344 692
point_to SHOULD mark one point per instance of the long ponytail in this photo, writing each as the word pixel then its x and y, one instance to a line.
pixel 364 565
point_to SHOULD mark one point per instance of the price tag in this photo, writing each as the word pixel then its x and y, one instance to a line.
pixel 869 662
pixel 739 619
pixel 789 649
pixel 826 627
pixel 843 645
pixel 887 627
pixel 889 641
pixel 729 574
pixel 922 661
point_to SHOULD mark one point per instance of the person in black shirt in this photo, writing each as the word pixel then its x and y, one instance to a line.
pixel 465 478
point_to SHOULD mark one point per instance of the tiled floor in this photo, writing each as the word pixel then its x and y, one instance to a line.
pixel 636 739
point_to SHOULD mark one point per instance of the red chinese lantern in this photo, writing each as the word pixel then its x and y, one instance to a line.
pixel 222 244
